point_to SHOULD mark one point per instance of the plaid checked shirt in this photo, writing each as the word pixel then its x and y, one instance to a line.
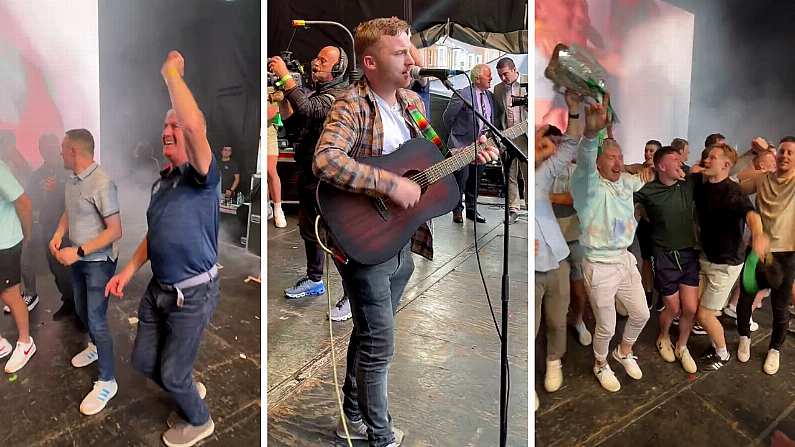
pixel 353 129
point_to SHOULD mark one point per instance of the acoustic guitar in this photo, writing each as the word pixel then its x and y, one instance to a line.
pixel 372 230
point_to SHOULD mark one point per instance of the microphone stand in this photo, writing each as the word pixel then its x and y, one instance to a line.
pixel 511 152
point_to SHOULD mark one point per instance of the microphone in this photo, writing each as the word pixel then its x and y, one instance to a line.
pixel 441 73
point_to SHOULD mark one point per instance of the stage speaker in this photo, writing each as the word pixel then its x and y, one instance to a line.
pixel 254 226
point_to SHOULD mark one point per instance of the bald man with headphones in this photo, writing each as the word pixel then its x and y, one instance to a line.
pixel 311 108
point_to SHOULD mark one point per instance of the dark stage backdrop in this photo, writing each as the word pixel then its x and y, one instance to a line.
pixel 221 44
pixel 498 16
pixel 742 82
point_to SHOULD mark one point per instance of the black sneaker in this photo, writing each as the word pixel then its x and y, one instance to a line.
pixel 30 300
pixel 715 363
pixel 67 310
pixel 698 329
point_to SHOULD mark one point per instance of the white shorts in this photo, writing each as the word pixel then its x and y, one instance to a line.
pixel 718 281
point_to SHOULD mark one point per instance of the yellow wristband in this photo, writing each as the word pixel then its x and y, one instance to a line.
pixel 172 72
pixel 285 78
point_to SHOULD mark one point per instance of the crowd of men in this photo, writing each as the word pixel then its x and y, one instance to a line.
pixel 715 239
pixel 79 221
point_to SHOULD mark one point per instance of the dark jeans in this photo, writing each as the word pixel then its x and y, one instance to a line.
pixel 168 340
pixel 778 278
pixel 62 275
pixel 374 292
pixel 89 280
pixel 307 212
pixel 466 178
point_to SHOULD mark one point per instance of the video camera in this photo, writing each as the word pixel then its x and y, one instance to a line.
pixel 293 66
pixel 517 101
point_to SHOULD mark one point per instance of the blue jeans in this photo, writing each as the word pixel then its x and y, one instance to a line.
pixel 168 340
pixel 88 283
pixel 374 292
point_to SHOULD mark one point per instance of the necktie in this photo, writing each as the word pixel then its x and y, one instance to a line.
pixel 483 109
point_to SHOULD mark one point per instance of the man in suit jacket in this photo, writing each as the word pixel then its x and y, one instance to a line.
pixel 508 116
pixel 463 132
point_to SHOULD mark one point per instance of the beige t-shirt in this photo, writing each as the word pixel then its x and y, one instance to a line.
pixel 775 202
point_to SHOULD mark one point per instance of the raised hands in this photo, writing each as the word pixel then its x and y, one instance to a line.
pixel 596 117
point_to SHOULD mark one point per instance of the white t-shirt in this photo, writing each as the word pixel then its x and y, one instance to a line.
pixel 396 131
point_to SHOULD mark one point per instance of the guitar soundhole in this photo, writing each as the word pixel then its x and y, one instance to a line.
pixel 423 182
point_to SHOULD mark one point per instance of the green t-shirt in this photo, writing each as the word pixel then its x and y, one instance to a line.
pixel 671 211
pixel 10 227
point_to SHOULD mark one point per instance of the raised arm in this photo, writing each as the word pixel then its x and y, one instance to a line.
pixel 576 119
pixel 189 117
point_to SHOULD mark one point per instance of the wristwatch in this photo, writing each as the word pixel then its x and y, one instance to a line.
pixel 80 252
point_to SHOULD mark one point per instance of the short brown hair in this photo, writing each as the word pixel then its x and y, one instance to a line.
pixel 368 33
pixel 83 138
pixel 678 144
pixel 728 152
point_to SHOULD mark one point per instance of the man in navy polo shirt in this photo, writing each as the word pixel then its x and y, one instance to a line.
pixel 182 243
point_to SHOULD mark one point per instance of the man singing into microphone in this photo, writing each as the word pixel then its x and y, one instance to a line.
pixel 372 119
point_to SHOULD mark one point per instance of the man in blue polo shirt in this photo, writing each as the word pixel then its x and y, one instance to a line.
pixel 182 243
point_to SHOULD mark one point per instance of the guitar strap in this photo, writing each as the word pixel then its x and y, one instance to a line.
pixel 425 127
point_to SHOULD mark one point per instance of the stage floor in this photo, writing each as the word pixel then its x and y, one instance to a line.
pixel 444 381
pixel 40 405
pixel 738 405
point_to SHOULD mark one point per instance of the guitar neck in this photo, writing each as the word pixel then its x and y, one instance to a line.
pixel 466 156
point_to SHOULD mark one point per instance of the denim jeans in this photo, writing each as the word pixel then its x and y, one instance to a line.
pixel 168 340
pixel 88 283
pixel 374 292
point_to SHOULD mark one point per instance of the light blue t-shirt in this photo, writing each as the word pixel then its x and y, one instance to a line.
pixel 10 227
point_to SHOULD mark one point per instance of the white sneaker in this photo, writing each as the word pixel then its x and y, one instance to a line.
pixel 606 378
pixel 771 362
pixel 744 349
pixel 278 218
pixel 22 353
pixel 583 335
pixel 754 325
pixel 688 364
pixel 666 349
pixel 99 396
pixel 86 356
pixel 5 347
pixel 554 376
pixel 629 363
pixel 730 311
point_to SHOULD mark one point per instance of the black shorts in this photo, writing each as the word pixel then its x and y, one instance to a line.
pixel 673 268
pixel 10 267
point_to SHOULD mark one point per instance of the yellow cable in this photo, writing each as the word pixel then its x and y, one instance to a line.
pixel 331 331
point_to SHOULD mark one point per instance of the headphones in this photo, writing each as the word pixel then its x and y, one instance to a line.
pixel 342 64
